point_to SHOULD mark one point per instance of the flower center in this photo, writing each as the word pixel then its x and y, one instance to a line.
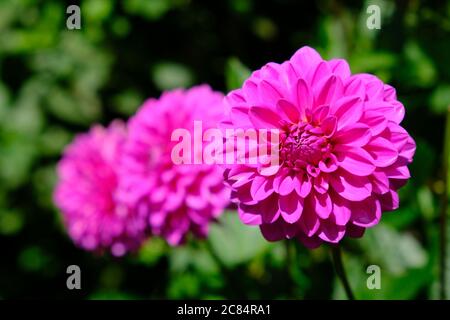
pixel 303 144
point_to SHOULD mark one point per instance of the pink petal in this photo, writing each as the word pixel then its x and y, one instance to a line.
pixel 290 229
pixel 374 86
pixel 341 210
pixel 321 183
pixel 289 110
pixel 290 77
pixel 235 97
pixel 340 67
pixel 312 170
pixel 270 70
pixel 286 186
pixel 320 113
pixel 248 216
pixel 199 216
pixel 243 195
pixel 272 231
pixel 354 86
pixel 239 116
pixel 240 179
pixel 304 59
pixel 250 90
pixel 157 218
pixel 351 187
pixel 302 184
pixel 268 93
pixel 269 170
pixel 396 135
pixel 282 173
pixel 380 182
pixel 356 161
pixel 398 112
pixel 408 149
pixel 348 110
pixel 382 151
pixel 389 201
pixel 309 221
pixel 328 163
pixel 264 118
pixel 389 93
pixel 322 204
pixel 400 172
pixel 322 71
pixel 328 126
pixel 268 208
pixel 331 232
pixel 393 110
pixel 309 242
pixel 327 89
pixel 291 207
pixel 375 120
pixel 355 231
pixel 357 135
pixel 261 188
pixel 195 202
pixel 304 96
pixel 366 213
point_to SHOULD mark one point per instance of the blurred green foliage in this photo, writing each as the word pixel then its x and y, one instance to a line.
pixel 55 83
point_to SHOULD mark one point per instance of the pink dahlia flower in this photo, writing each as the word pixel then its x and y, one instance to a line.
pixel 342 152
pixel 86 193
pixel 180 198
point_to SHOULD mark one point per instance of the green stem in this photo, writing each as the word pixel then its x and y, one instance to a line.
pixel 340 271
pixel 444 208
pixel 292 265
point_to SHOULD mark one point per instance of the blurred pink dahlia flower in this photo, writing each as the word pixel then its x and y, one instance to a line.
pixel 180 198
pixel 342 152
pixel 86 193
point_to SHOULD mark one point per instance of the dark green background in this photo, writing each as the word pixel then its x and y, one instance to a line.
pixel 55 83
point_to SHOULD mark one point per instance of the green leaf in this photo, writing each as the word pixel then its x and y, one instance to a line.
pixel 434 249
pixel 394 251
pixel 11 222
pixel 419 70
pixel 44 179
pixel 184 285
pixel 34 259
pixel 392 286
pixel 53 140
pixel 112 295
pixel 332 30
pixel 372 62
pixel 127 102
pixel 84 109
pixel 440 99
pixel 97 10
pixel 424 162
pixel 151 251
pixel 4 101
pixel 188 257
pixel 235 73
pixel 426 203
pixel 265 28
pixel 402 217
pixel 16 158
pixel 235 243
pixel 170 75
pixel 151 10
pixel 241 6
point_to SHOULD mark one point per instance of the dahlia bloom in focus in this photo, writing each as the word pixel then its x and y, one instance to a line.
pixel 86 193
pixel 342 152
pixel 180 198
